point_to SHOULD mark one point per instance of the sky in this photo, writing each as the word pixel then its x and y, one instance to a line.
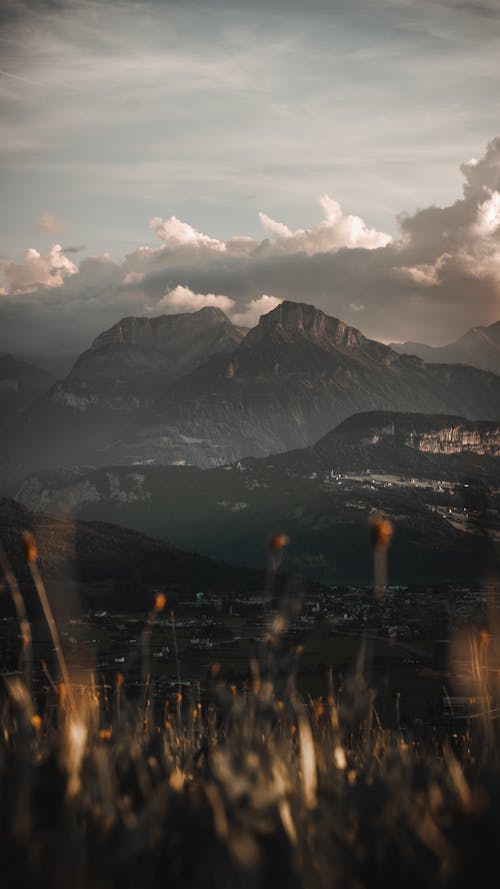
pixel 160 156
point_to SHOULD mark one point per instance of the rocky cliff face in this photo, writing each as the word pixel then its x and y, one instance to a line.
pixel 290 321
pixel 166 346
pixel 429 434
pixel 456 440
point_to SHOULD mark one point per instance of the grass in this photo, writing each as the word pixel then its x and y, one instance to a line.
pixel 244 785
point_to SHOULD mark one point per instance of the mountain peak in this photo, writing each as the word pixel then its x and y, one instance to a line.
pixel 294 315
pixel 211 312
pixel 158 330
pixel 479 346
pixel 291 319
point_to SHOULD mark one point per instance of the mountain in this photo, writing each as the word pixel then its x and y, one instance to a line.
pixel 161 348
pixel 291 379
pixel 479 347
pixel 125 370
pixel 285 384
pixel 423 470
pixel 96 563
pixel 128 365
pixel 405 441
pixel 20 384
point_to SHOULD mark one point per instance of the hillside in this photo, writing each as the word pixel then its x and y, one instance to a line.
pixel 321 496
pixel 110 567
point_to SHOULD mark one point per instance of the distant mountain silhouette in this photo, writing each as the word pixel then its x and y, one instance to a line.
pixel 480 347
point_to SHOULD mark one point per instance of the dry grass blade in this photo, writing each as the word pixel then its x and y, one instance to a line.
pixel 31 558
pixel 22 615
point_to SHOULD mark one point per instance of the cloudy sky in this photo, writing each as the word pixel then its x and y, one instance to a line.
pixel 160 156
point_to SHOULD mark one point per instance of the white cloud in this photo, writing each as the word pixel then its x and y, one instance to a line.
pixel 50 269
pixel 488 216
pixel 254 309
pixel 334 232
pixel 483 175
pixel 428 274
pixel 182 299
pixel 461 241
pixel 182 243
pixel 273 228
pixel 133 277
pixel 175 234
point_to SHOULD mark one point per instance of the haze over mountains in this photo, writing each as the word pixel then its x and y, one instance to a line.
pixel 480 347
pixel 194 389
pixel 124 371
pixel 321 495
pixel 20 384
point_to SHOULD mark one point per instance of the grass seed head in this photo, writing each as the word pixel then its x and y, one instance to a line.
pixel 278 542
pixel 30 548
pixel 160 602
pixel 381 529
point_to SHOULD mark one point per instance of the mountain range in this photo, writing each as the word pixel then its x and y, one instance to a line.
pixel 123 372
pixel 479 347
pixel 423 470
pixel 195 389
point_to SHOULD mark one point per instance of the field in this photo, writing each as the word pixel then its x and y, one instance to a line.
pixel 278 762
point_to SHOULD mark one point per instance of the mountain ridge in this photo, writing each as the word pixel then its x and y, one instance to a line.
pixel 321 496
pixel 479 346
pixel 285 384
pixel 293 377
pixel 163 345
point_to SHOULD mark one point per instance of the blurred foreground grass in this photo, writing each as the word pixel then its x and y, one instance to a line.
pixel 249 785
pixel 251 788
